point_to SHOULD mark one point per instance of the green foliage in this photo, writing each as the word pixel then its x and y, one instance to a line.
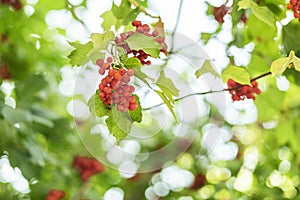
pixel 119 15
pixel 238 74
pixel 281 64
pixel 206 68
pixel 291 38
pixel 40 137
pixel 132 63
pixel 92 50
pixel 261 12
pixel 118 123
pixel 140 41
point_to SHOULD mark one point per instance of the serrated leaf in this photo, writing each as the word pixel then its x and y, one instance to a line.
pixel 238 74
pixel 168 103
pixel 136 115
pixel 109 19
pixel 119 124
pixel 78 56
pixel 122 10
pixel 132 63
pixel 139 41
pixel 97 107
pixel 206 68
pixel 166 85
pixel 261 12
pixel 92 50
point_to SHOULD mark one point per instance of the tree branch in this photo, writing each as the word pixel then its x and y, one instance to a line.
pixel 210 92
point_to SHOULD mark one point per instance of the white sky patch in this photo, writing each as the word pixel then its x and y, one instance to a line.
pixel 244 180
pixel 114 193
pixel 14 176
pixel 172 174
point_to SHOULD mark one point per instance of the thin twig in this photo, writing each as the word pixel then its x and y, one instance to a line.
pixel 209 92
pixel 141 8
pixel 176 24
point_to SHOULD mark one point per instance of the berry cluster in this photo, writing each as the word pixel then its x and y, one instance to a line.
pixel 16 4
pixel 114 88
pixel 294 5
pixel 220 12
pixel 87 167
pixel 240 92
pixel 140 54
pixel 55 194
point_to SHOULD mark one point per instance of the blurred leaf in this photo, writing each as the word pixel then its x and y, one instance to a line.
pixel 14 116
pixel 291 37
pixel 139 41
pixel 206 68
pixel 79 56
pixel 141 75
pixel 261 12
pixel 269 104
pixel 238 74
pixel 281 64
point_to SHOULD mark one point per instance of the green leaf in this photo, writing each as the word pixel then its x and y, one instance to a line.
pixel 167 102
pixel 119 123
pixel 291 37
pixel 97 107
pixel 244 4
pixel 264 14
pixel 132 63
pixel 261 12
pixel 92 50
pixel 206 68
pixel 269 104
pixel 166 85
pixel 136 115
pixel 78 56
pixel 281 64
pixel 119 15
pixel 109 19
pixel 139 41
pixel 238 74
pixel 141 75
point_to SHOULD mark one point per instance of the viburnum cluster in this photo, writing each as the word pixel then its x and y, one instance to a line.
pixel 55 194
pixel 16 4
pixel 114 88
pixel 294 5
pixel 240 92
pixel 87 167
pixel 140 54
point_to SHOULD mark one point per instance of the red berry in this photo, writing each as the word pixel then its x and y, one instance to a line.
pixel 109 59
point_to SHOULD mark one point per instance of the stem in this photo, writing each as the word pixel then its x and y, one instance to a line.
pixel 141 8
pixel 176 24
pixel 210 92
